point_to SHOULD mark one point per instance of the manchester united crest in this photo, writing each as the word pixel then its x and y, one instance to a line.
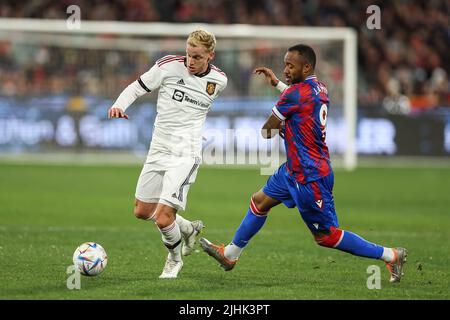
pixel 211 88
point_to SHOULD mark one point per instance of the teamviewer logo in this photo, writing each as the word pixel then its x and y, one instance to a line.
pixel 178 95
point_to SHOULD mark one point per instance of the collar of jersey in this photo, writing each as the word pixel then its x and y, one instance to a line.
pixel 208 70
pixel 313 76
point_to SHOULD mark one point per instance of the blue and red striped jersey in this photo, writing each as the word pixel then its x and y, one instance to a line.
pixel 303 107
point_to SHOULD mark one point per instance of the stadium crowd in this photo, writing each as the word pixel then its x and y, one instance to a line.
pixel 402 66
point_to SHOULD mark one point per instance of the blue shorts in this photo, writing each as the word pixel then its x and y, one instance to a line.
pixel 314 200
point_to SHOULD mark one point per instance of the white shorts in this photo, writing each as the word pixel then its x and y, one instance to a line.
pixel 166 179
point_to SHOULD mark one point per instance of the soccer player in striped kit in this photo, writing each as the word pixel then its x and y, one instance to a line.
pixel 306 179
pixel 188 85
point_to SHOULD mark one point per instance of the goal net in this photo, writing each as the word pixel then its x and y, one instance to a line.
pixel 57 83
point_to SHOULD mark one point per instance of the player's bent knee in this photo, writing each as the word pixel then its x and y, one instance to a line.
pixel 257 205
pixel 144 212
pixel 262 203
pixel 163 220
pixel 141 214
pixel 329 240
pixel 164 216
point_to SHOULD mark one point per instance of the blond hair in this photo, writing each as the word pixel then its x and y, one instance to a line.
pixel 203 38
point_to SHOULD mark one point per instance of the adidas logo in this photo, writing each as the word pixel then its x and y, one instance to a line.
pixel 319 203
pixel 180 82
pixel 316 225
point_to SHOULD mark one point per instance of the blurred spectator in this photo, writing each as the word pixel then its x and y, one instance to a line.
pixel 402 67
pixel 395 102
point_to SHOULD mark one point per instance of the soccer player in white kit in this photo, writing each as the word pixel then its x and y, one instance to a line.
pixel 187 87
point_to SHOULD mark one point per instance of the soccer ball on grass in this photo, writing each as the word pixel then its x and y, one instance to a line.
pixel 90 259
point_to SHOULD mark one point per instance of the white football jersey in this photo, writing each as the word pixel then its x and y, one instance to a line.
pixel 183 102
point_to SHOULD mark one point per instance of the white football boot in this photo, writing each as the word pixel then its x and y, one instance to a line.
pixel 171 269
pixel 191 238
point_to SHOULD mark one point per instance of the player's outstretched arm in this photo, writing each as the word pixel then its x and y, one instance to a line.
pixel 147 82
pixel 272 126
pixel 268 73
pixel 125 99
pixel 116 113
pixel 271 78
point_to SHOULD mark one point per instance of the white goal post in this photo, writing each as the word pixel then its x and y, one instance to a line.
pixel 59 31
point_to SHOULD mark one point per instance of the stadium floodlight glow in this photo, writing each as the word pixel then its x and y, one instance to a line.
pixel 136 35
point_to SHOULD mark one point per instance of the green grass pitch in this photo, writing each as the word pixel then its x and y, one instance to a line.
pixel 47 211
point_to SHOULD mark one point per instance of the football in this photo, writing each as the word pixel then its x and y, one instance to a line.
pixel 90 259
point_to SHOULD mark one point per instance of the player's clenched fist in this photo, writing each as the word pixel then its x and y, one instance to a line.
pixel 268 73
pixel 117 113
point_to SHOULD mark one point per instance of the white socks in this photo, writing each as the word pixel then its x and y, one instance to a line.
pixel 186 226
pixel 388 255
pixel 171 237
pixel 232 251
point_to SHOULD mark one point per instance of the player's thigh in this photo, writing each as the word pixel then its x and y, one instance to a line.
pixel 177 182
pixel 316 205
pixel 149 185
pixel 276 190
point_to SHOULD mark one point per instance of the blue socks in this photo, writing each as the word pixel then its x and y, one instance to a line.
pixel 350 242
pixel 251 224
pixel 354 244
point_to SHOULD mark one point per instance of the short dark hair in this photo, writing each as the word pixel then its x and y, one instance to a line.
pixel 306 52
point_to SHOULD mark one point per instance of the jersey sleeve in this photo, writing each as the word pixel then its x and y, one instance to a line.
pixel 288 104
pixel 128 96
pixel 147 82
pixel 222 86
pixel 153 78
